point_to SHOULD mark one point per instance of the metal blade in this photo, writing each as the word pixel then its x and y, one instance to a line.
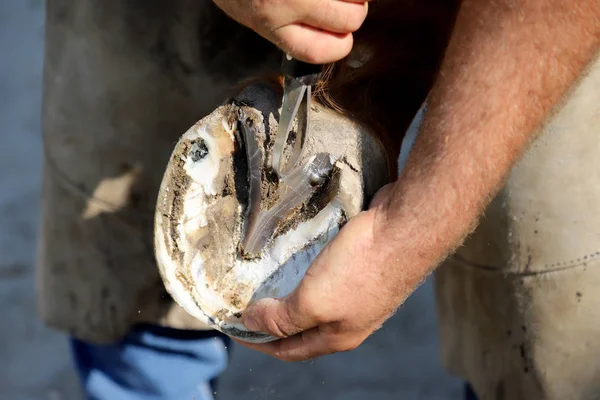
pixel 303 116
pixel 294 93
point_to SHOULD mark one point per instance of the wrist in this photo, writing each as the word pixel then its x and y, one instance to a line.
pixel 412 224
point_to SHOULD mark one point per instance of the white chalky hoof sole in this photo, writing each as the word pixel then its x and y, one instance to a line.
pixel 228 232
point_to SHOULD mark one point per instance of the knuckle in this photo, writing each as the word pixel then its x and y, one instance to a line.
pixel 281 324
pixel 278 328
pixel 338 344
pixel 311 307
pixel 321 316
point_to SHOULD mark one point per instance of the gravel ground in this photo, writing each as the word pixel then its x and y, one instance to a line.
pixel 398 362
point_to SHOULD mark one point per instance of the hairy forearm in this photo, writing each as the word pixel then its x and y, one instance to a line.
pixel 508 64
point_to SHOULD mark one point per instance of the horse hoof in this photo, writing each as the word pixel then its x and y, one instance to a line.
pixel 229 231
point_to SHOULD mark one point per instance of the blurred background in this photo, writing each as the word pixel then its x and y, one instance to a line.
pixel 399 362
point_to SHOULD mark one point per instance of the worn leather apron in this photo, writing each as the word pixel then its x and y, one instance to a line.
pixel 123 80
pixel 519 302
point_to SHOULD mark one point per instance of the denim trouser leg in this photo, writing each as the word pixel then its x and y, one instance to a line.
pixel 153 363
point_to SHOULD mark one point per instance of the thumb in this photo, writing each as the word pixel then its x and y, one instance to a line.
pixel 278 317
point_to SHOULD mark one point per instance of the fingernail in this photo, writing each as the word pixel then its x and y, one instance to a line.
pixel 251 324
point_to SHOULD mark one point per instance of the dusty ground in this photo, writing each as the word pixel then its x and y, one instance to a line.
pixel 399 362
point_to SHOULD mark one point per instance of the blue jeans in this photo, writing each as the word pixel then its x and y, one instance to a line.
pixel 153 363
pixel 156 363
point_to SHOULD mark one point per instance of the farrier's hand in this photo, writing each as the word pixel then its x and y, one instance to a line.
pixel 315 31
pixel 348 292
